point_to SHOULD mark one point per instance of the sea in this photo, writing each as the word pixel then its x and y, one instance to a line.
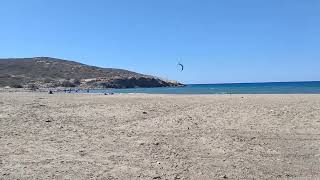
pixel 310 87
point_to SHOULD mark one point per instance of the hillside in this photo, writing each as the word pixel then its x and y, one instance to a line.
pixel 50 72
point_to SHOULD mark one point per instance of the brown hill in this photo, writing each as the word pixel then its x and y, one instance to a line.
pixel 51 72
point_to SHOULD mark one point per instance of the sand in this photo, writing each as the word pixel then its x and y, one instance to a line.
pixel 86 136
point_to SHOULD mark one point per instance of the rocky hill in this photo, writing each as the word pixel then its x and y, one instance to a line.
pixel 50 72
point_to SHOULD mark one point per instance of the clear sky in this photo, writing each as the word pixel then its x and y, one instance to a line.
pixel 217 40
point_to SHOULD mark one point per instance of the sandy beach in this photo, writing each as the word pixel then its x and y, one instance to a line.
pixel 93 136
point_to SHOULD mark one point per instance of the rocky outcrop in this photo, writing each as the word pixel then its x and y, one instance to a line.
pixel 132 82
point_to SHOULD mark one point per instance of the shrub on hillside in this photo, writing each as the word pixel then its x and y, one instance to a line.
pixel 76 81
pixel 16 86
pixel 67 84
pixel 47 80
pixel 33 87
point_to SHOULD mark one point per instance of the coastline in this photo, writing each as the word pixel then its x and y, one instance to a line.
pixel 307 87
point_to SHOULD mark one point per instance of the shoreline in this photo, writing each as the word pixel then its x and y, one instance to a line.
pixel 61 91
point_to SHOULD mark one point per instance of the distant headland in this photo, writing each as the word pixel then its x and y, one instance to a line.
pixel 46 72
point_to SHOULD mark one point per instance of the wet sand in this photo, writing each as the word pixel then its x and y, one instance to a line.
pixel 86 136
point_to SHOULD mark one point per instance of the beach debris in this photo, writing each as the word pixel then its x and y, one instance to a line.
pixel 82 153
pixel 177 177
pixel 141 143
pixel 48 120
pixel 157 177
pixel 144 112
pixel 225 177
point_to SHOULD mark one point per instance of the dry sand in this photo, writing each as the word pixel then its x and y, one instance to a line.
pixel 85 136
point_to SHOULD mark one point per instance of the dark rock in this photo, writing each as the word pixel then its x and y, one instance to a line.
pixel 225 177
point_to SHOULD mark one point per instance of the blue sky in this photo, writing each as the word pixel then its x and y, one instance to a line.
pixel 217 40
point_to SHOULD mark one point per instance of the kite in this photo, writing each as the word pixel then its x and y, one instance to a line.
pixel 181 65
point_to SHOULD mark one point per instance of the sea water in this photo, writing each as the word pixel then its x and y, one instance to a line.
pixel 234 88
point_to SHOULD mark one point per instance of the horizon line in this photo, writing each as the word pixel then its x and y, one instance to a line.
pixel 254 82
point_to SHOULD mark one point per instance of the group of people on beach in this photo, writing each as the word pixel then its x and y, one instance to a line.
pixel 76 91
pixel 68 90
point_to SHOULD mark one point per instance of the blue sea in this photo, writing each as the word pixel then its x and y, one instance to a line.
pixel 234 88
